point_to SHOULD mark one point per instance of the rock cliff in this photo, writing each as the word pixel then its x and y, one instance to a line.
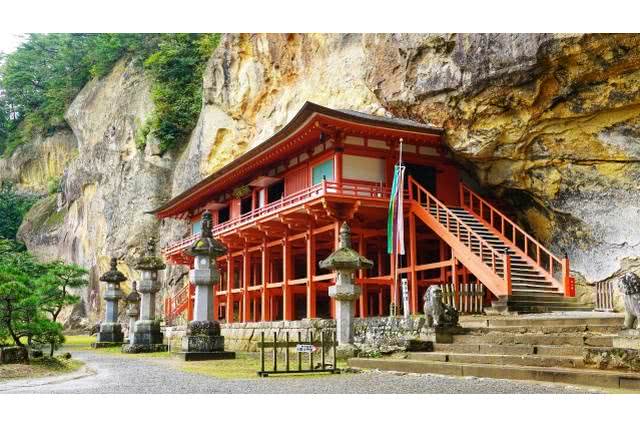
pixel 549 125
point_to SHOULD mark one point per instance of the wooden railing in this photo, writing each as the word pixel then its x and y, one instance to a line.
pixel 604 296
pixel 465 234
pixel 298 198
pixel 467 298
pixel 175 305
pixel 556 269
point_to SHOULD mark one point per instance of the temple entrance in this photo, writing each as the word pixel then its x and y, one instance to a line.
pixel 424 175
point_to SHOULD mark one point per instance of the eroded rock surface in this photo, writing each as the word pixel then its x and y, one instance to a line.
pixel 548 125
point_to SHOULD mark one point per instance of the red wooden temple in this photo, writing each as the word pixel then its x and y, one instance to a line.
pixel 279 206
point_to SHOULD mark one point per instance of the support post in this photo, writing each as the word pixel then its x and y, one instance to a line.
pixel 246 278
pixel 287 308
pixel 311 271
pixel 265 278
pixel 229 309
pixel 413 276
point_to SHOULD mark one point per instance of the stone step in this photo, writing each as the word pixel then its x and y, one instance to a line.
pixel 513 349
pixel 586 377
pixel 501 359
pixel 576 339
pixel 552 320
pixel 555 329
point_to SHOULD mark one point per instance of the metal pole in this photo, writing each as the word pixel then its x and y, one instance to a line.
pixel 311 352
pixel 262 351
pixel 275 352
pixel 322 348
pixel 299 353
pixel 286 351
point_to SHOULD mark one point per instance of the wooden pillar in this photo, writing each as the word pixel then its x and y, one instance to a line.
pixel 380 301
pixel 229 307
pixel 265 276
pixel 338 165
pixel 311 271
pixel 442 252
pixel 287 303
pixel 413 257
pixel 216 308
pixel 246 275
pixel 363 288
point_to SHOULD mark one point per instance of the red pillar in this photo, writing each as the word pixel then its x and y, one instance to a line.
pixel 311 271
pixel 229 306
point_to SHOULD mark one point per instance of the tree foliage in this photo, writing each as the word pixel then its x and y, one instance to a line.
pixel 13 207
pixel 40 79
pixel 32 295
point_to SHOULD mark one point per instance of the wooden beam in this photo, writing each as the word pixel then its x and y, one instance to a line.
pixel 413 277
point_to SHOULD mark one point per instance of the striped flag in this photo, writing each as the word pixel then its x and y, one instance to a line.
pixel 395 220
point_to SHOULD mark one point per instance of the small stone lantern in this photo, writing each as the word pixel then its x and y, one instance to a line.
pixel 203 340
pixel 345 261
pixel 110 330
pixel 147 334
pixel 133 310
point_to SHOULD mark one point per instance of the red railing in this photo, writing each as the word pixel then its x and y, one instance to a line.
pixel 456 226
pixel 556 269
pixel 290 201
pixel 175 305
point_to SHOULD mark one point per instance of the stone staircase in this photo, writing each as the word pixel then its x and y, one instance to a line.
pixel 549 348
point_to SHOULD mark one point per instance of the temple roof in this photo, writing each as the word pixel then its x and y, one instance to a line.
pixel 208 186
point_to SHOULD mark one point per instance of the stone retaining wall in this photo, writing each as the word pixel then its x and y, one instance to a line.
pixel 383 334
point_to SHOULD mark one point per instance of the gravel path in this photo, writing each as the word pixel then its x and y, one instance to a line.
pixel 113 374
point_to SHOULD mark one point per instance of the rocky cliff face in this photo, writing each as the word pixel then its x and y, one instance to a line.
pixel 549 125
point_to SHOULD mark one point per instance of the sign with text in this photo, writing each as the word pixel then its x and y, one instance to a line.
pixel 305 348
pixel 405 297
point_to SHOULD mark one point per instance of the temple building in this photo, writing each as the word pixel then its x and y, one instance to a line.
pixel 278 209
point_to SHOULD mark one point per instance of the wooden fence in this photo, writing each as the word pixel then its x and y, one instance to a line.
pixel 604 296
pixel 465 297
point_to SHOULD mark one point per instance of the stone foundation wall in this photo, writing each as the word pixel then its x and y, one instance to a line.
pixel 382 334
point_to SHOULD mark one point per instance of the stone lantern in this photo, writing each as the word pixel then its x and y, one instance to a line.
pixel 345 261
pixel 110 330
pixel 203 340
pixel 147 334
pixel 133 310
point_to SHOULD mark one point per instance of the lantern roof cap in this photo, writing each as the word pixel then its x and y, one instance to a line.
pixel 113 275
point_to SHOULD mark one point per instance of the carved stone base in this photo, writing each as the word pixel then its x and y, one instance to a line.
pixel 110 333
pixel 144 348
pixel 147 332
pixel 628 338
pixel 204 342
pixel 193 356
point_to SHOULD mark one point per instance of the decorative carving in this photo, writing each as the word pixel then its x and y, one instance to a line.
pixel 629 286
pixel 437 312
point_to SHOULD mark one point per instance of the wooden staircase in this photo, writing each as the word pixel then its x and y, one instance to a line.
pixel 525 276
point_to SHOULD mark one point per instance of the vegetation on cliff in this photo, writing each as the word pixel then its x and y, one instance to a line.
pixel 13 208
pixel 40 79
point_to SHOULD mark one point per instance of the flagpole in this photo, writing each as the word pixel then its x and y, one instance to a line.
pixel 395 245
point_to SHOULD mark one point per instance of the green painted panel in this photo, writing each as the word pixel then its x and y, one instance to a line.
pixel 323 169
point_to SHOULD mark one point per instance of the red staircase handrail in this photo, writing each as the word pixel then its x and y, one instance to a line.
pixel 529 241
pixel 458 224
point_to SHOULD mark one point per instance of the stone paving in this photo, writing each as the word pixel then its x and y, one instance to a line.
pixel 106 373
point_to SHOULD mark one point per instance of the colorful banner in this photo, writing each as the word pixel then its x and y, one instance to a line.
pixel 395 220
